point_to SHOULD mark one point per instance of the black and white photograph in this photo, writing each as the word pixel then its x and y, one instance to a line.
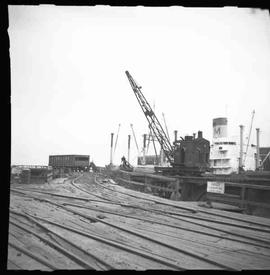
pixel 140 138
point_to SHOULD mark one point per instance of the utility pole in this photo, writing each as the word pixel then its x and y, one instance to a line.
pixel 128 147
pixel 144 147
pixel 175 135
pixel 131 125
pixel 111 155
pixel 258 148
pixel 241 147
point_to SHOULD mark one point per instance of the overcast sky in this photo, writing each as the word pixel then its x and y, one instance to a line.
pixel 69 90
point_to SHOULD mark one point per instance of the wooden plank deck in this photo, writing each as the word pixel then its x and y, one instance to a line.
pixel 126 229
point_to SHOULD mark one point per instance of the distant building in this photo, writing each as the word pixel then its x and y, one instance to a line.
pixel 225 151
pixel 149 160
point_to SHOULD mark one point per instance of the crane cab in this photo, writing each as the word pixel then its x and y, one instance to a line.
pixel 192 152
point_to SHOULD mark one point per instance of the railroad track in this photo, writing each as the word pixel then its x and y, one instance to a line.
pixel 145 237
pixel 133 232
pixel 39 262
pixel 212 263
pixel 172 215
pixel 115 244
pixel 243 239
pixel 192 210
pixel 64 246
pixel 264 227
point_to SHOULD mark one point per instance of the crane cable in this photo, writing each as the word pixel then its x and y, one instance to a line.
pixel 116 140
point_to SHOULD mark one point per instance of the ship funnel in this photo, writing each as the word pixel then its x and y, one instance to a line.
pixel 220 127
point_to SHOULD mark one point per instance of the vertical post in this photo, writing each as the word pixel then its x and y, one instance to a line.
pixel 146 181
pixel 161 157
pixel 175 195
pixel 128 147
pixel 243 192
pixel 144 146
pixel 258 148
pixel 241 147
pixel 175 135
pixel 111 156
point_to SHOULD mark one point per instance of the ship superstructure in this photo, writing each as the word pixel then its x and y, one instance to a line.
pixel 225 150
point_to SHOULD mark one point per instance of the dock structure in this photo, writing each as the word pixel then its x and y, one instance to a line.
pixel 90 221
pixel 249 191
pixel 27 174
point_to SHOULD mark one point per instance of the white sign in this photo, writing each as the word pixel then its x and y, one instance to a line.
pixel 216 187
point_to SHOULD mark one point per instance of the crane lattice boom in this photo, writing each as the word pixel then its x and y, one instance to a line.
pixel 152 120
pixel 253 112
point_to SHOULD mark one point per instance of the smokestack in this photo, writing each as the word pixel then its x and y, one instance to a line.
pixel 219 127
pixel 175 135
pixel 111 156
pixel 144 146
pixel 199 134
pixel 241 146
pixel 194 135
pixel 128 147
pixel 161 157
pixel 144 141
pixel 258 148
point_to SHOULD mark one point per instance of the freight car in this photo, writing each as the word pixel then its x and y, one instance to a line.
pixel 70 162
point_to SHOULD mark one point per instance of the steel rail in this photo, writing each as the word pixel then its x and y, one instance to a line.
pixel 166 212
pixel 211 227
pixel 113 243
pixel 197 210
pixel 82 189
pixel 177 226
pixel 232 218
pixel 71 255
pixel 22 191
pixel 57 247
pixel 173 214
pixel 33 256
pixel 183 251
pixel 15 264
pixel 202 218
pixel 137 197
pixel 51 194
pixel 163 213
pixel 93 219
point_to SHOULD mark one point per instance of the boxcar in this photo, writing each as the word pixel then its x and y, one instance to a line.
pixel 69 161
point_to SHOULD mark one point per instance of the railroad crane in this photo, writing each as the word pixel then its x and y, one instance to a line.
pixel 187 156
